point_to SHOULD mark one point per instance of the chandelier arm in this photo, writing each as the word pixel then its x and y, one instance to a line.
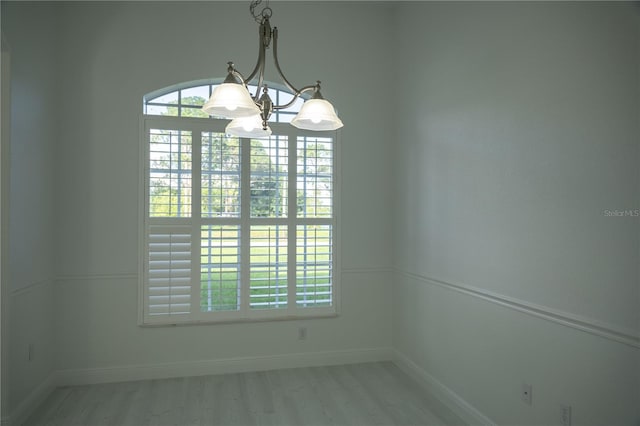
pixel 259 68
pixel 262 61
pixel 277 64
pixel 236 73
pixel 296 95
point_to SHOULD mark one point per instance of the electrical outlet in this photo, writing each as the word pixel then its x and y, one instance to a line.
pixel 527 393
pixel 302 333
pixel 30 352
pixel 565 415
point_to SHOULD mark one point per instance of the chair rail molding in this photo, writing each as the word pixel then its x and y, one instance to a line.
pixel 608 331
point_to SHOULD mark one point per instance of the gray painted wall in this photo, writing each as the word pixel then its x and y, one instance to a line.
pixel 113 54
pixel 517 128
pixel 31 33
pixel 512 126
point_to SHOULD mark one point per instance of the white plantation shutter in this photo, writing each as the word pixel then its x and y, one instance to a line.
pixel 235 228
pixel 168 283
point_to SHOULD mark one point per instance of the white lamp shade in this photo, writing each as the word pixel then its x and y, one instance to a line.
pixel 230 100
pixel 248 127
pixel 317 114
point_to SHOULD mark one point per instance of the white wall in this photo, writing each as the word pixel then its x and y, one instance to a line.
pixel 516 130
pixel 110 55
pixel 31 199
pixel 514 126
pixel 5 145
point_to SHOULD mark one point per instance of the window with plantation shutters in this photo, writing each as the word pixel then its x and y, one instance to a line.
pixel 236 229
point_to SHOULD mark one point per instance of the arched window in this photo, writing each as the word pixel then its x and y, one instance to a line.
pixel 232 228
pixel 186 100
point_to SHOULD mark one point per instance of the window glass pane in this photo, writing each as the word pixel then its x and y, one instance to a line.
pixel 285 97
pixel 220 268
pixel 273 94
pixel 296 105
pixel 220 178
pixel 169 98
pixel 283 117
pixel 195 95
pixel 169 173
pixel 313 265
pixel 187 111
pixel 268 266
pixel 159 110
pixel 252 89
pixel 315 177
pixel 269 181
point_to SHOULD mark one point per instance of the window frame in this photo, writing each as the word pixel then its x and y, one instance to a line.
pixel 198 126
pixel 276 90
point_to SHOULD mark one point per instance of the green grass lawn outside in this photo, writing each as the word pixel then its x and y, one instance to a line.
pixel 221 264
pixel 222 290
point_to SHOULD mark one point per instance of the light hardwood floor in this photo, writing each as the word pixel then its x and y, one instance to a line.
pixel 356 394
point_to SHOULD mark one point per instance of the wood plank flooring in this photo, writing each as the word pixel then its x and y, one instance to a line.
pixel 356 394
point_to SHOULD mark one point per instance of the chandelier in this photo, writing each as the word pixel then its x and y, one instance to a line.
pixel 250 113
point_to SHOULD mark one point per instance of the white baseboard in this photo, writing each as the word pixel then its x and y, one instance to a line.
pixel 32 401
pixel 468 413
pixel 459 406
pixel 186 369
pixel 220 366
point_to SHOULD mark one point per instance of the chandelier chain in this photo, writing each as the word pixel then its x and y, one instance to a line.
pixel 265 12
pixel 232 99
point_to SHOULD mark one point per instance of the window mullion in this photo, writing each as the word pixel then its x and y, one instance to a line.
pixel 196 215
pixel 292 220
pixel 245 225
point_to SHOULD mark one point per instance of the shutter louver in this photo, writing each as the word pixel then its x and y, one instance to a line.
pixel 168 289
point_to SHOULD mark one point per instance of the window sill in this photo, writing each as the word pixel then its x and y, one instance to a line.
pixel 238 320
